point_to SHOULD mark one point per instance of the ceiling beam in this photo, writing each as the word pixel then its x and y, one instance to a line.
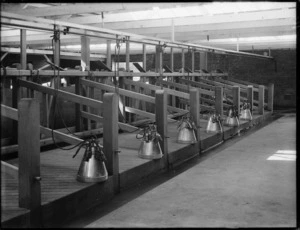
pixel 81 8
pixel 204 20
pixel 164 14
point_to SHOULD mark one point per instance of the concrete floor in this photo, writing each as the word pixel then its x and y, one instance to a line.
pixel 241 185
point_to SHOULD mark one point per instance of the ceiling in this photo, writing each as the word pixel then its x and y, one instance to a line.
pixel 228 25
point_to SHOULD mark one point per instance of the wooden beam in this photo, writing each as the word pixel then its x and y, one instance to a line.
pixel 171 59
pixel 121 91
pixel 108 53
pixel 9 112
pixel 66 95
pixel 29 154
pixel 9 169
pixel 110 137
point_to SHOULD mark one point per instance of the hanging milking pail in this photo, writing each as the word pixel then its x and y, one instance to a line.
pixel 92 167
pixel 186 134
pixel 149 147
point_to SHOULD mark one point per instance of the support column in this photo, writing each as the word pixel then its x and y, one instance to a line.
pixel 219 100
pixel 110 137
pixel 161 122
pixel 127 55
pixel 236 97
pixel 261 98
pixel 270 96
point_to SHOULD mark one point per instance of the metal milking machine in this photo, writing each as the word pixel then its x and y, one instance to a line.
pixel 232 117
pixel 214 124
pixel 246 111
pixel 150 147
pixel 92 167
pixel 186 127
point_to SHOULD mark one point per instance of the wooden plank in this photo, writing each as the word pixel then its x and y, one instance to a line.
pixel 121 91
pixel 9 169
pixel 66 95
pixel 110 137
pixel 61 136
pixel 161 122
pixel 9 112
pixel 123 126
pixel 197 84
pixel 261 98
pixel 154 87
pixel 29 154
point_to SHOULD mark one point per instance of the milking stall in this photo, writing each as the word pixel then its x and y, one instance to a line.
pixel 148 115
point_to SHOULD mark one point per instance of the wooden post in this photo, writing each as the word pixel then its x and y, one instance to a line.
pixel 78 107
pixel 161 121
pixel 23 61
pixel 182 60
pixel 127 55
pixel 203 60
pixel 194 112
pixel 108 56
pixel 250 97
pixel 15 98
pixel 144 57
pixel 219 100
pixel 270 96
pixel 110 137
pixel 85 64
pixel 29 157
pixel 261 98
pixel 172 59
pixel 193 63
pixel 236 97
